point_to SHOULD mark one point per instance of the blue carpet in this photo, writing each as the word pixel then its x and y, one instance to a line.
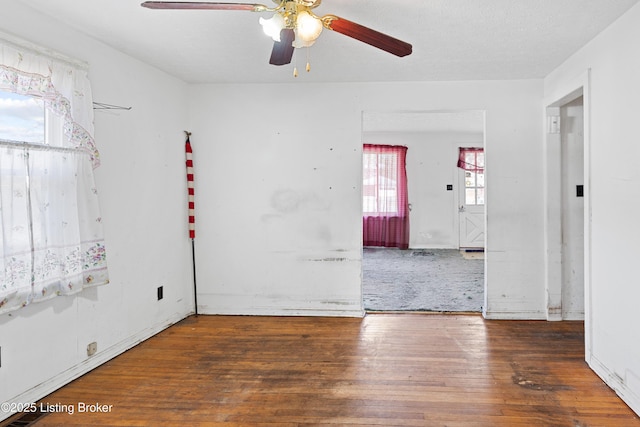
pixel 439 280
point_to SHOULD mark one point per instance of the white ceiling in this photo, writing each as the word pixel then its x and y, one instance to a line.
pixel 452 39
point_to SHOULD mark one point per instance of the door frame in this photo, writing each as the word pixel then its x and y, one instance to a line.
pixel 580 86
pixel 454 184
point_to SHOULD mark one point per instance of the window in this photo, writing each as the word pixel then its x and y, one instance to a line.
pixel 21 118
pixel 380 186
pixel 51 240
pixel 472 161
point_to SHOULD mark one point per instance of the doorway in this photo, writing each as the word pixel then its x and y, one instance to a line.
pixel 572 208
pixel 566 203
pixel 471 198
pixel 434 274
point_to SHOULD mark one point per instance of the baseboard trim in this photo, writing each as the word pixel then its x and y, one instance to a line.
pixel 54 383
pixel 217 311
pixel 514 315
pixel 261 305
pixel 617 383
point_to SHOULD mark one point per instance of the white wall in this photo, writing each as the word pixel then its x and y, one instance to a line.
pixel 278 185
pixel 142 189
pixel 431 165
pixel 611 103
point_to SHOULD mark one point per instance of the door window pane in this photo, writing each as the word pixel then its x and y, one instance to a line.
pixel 470 196
pixel 470 179
pixel 474 174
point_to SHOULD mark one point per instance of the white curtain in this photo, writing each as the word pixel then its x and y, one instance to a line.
pixel 51 239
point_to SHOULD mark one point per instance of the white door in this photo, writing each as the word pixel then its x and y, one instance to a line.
pixel 471 203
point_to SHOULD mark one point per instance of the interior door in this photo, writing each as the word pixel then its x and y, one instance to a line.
pixel 471 202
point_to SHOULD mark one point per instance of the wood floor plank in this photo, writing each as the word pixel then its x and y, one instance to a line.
pixel 382 370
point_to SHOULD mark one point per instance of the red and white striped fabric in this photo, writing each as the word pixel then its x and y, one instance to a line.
pixel 192 213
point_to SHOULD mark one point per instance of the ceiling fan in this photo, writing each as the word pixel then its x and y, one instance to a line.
pixel 294 25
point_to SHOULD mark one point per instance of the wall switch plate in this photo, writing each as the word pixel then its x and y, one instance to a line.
pixel 92 348
pixel 449 187
pixel 579 190
pixel 160 293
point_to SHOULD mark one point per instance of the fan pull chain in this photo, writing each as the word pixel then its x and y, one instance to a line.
pixel 295 64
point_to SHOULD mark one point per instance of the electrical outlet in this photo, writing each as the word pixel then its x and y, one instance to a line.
pixel 92 348
pixel 160 293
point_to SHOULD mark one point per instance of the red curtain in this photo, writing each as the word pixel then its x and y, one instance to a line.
pixel 471 159
pixel 385 198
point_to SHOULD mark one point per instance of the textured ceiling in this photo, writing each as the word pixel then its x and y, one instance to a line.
pixel 452 39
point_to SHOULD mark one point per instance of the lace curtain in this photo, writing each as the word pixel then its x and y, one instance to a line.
pixel 51 239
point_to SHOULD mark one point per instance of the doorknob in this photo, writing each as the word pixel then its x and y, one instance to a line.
pixel 461 208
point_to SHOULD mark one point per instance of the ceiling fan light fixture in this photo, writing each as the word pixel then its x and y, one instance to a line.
pixel 299 42
pixel 294 25
pixel 308 28
pixel 273 26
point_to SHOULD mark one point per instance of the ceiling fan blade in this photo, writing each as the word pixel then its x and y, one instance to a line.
pixel 367 35
pixel 203 5
pixel 283 50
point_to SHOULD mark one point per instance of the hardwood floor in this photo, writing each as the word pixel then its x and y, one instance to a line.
pixel 382 370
